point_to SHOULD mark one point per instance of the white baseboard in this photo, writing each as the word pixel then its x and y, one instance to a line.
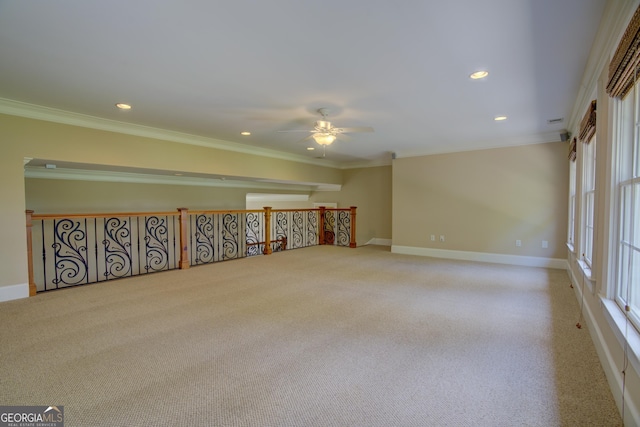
pixel 377 241
pixel 527 261
pixel 612 372
pixel 11 292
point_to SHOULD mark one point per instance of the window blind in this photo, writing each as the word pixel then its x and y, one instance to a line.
pixel 626 60
pixel 588 124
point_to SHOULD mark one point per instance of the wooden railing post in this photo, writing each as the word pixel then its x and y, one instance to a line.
pixel 32 282
pixel 352 241
pixel 184 248
pixel 267 230
pixel 321 226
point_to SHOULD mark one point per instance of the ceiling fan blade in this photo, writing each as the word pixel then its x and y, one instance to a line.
pixel 305 139
pixel 296 130
pixel 343 137
pixel 356 129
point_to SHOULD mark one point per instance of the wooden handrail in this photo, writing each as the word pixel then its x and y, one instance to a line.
pixel 282 241
pixel 101 215
pixel 230 211
pixel 191 212
pixel 309 209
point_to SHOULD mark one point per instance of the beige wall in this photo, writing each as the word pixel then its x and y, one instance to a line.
pixel 64 196
pixel 483 201
pixel 13 259
pixel 369 189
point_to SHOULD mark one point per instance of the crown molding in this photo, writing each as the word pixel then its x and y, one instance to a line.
pixel 384 161
pixel 38 112
pixel 541 138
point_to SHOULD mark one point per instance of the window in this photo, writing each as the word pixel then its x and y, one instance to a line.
pixel 627 287
pixel 571 232
pixel 588 199
pixel 588 137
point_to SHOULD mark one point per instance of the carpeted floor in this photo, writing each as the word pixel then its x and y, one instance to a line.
pixel 321 336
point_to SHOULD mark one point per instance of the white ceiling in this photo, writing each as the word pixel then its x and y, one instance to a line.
pixel 216 68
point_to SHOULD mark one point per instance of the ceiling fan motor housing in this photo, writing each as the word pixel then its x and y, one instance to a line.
pixel 323 125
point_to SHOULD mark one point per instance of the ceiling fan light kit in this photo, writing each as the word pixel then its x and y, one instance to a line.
pixel 324 133
pixel 324 138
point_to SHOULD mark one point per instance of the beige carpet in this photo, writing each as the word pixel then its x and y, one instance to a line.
pixel 321 336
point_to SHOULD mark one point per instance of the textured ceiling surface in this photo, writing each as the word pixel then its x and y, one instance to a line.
pixel 215 69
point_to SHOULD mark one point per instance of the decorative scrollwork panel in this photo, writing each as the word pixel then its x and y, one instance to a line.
pixel 218 237
pixel 231 236
pixel 297 230
pixel 70 253
pixel 156 244
pixel 312 228
pixel 329 227
pixel 281 225
pixel 343 227
pixel 254 233
pixel 118 260
pixel 203 237
pixel 300 228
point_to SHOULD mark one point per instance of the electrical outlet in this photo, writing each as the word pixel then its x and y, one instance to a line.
pixel 545 244
pixel 442 238
pixel 518 243
pixel 433 237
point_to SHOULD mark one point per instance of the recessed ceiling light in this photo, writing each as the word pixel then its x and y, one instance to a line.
pixel 123 106
pixel 245 133
pixel 311 148
pixel 481 74
pixel 500 118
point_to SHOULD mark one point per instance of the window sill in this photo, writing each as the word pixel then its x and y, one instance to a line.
pixel 586 270
pixel 618 322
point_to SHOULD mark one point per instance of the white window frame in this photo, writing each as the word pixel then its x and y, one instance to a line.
pixel 571 226
pixel 588 201
pixel 626 205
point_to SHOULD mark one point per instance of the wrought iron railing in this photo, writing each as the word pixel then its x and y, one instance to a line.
pixel 337 227
pixel 77 249
pixel 299 228
pixel 223 235
pixel 74 250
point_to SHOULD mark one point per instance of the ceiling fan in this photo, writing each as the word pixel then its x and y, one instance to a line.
pixel 324 133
